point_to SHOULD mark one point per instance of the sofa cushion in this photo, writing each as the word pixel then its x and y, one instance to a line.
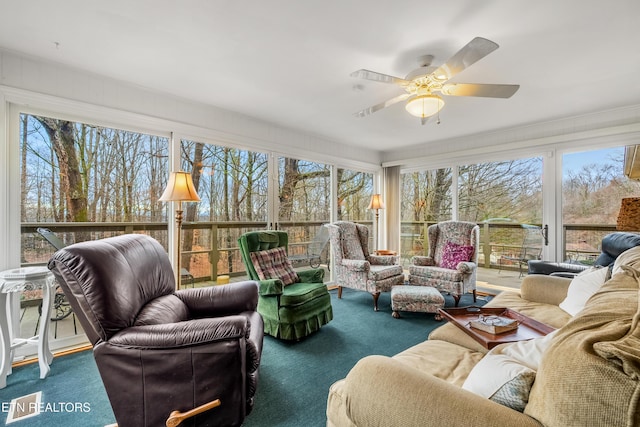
pixel 583 379
pixel 436 274
pixel 453 254
pixel 582 287
pixel 300 293
pixel 274 264
pixel 441 359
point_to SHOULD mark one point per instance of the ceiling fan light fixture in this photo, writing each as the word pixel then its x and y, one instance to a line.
pixel 423 106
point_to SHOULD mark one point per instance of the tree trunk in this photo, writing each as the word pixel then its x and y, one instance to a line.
pixel 61 134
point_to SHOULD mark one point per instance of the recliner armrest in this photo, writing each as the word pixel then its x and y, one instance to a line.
pixel 182 334
pixel 547 267
pixel 222 300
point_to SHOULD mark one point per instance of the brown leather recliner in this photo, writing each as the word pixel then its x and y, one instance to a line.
pixel 160 350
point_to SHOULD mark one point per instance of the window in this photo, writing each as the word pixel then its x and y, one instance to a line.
pixel 593 185
pixel 75 172
pixel 354 194
pixel 304 201
pixel 425 199
pixel 232 185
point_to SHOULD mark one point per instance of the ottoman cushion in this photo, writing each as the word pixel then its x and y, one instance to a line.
pixel 423 299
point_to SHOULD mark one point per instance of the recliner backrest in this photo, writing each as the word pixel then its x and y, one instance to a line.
pixel 614 244
pixel 108 282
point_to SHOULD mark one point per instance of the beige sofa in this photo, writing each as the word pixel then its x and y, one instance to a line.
pixel 588 375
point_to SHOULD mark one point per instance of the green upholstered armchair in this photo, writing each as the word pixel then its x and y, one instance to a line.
pixel 290 311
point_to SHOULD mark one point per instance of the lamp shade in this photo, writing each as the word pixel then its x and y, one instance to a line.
pixel 180 188
pixel 424 105
pixel 629 216
pixel 376 202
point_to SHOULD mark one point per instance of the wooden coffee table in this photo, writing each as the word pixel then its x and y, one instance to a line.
pixel 528 328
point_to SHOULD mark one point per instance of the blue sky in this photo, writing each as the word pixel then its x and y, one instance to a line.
pixel 575 161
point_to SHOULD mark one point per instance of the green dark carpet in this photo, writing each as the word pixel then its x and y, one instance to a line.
pixel 294 377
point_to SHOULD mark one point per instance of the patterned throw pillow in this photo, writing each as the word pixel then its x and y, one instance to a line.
pixel 274 264
pixel 452 254
pixel 507 372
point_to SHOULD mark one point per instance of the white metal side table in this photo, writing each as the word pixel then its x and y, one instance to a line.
pixel 12 283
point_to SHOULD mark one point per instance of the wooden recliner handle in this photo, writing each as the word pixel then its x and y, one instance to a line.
pixel 176 417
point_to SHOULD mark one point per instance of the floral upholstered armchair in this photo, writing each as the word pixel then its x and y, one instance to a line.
pixel 353 265
pixel 452 260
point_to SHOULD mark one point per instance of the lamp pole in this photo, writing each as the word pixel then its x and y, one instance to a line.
pixel 376 204
pixel 179 189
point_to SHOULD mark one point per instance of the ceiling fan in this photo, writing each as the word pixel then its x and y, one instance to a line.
pixel 423 84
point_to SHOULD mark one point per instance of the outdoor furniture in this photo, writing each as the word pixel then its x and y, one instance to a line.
pixel 315 252
pixel 355 268
pixel 159 350
pixel 421 299
pixel 531 249
pixel 293 304
pixel 452 261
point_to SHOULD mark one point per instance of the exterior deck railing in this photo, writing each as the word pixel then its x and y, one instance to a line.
pixel 215 250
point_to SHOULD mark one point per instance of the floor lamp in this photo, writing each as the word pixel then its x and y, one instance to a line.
pixel 179 189
pixel 376 204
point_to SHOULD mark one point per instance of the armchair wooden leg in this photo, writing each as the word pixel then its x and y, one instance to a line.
pixel 474 295
pixel 176 417
pixel 375 300
pixel 456 299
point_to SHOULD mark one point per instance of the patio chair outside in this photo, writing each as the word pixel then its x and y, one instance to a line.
pixel 531 249
pixel 316 252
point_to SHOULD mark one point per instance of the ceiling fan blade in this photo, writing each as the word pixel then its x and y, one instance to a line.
pixel 378 77
pixel 378 107
pixel 474 51
pixel 484 90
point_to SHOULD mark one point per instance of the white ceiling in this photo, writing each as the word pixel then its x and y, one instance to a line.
pixel 288 61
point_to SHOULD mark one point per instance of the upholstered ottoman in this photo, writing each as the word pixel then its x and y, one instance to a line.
pixel 422 299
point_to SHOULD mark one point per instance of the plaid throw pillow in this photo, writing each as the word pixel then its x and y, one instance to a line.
pixel 274 264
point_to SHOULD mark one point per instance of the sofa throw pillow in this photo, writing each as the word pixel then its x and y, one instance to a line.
pixel 500 376
pixel 453 254
pixel 274 264
pixel 507 372
pixel 582 287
